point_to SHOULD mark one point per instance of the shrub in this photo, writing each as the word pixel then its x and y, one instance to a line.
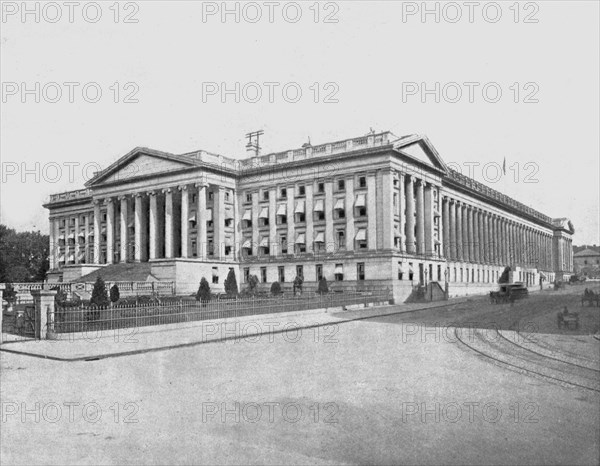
pixel 99 294
pixel 114 294
pixel 9 294
pixel 203 293
pixel 231 287
pixel 505 275
pixel 275 289
pixel 298 281
pixel 60 299
pixel 323 288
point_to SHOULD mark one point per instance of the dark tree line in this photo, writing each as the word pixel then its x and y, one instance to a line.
pixel 23 255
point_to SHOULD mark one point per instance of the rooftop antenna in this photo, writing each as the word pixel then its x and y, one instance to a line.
pixel 254 142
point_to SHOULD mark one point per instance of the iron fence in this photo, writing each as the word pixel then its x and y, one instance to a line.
pixel 89 318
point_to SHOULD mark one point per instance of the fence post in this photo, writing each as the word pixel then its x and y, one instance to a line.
pixel 44 313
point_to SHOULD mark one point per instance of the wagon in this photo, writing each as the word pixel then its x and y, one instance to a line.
pixel 566 320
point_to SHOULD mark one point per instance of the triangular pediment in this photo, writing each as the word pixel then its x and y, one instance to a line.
pixel 140 163
pixel 420 149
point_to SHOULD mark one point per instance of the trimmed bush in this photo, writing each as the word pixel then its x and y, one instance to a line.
pixel 114 294
pixel 231 287
pixel 505 275
pixel 275 288
pixel 323 288
pixel 9 294
pixel 99 294
pixel 203 294
pixel 298 282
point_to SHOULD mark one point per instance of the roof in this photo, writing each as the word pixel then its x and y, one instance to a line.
pixel 586 252
pixel 130 272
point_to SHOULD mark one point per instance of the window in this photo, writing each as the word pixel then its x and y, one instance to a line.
pixel 103 219
pixel 300 217
pixel 284 247
pixel 281 273
pixel 361 211
pixel 339 272
pixel 439 273
pixel 341 185
pixel 215 275
pixel 228 222
pixel 265 195
pixel 300 271
pixel 341 239
pixel 194 248
pixel 82 219
pixel 400 272
pixel 283 193
pixel 227 250
pixel 319 271
pixel 339 213
pixel 395 199
pixel 300 248
pixel 211 247
pixel 362 182
pixel 360 270
pixel 211 195
pixel 227 195
pixel 263 274
pixel 319 216
pixel 281 220
pixel 193 198
pixel 246 274
pixel 263 222
pixel 301 190
pixel 248 197
pixel 411 274
pixel 320 187
pixel 209 224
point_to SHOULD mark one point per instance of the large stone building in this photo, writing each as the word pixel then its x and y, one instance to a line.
pixel 373 210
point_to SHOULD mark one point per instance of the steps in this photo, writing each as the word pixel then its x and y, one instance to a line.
pixel 134 272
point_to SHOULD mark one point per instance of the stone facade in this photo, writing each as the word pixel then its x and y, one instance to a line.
pixel 370 210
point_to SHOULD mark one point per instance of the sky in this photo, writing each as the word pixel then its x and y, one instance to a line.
pixel 83 85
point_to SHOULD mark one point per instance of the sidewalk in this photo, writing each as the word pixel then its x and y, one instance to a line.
pixel 115 343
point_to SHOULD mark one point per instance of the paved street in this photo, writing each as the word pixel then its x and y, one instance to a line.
pixel 398 389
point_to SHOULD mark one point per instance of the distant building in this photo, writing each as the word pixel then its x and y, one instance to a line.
pixel 587 263
pixel 372 210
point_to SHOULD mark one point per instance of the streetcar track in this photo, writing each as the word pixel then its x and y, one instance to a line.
pixel 525 370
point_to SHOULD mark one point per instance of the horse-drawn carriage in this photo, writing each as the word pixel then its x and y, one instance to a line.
pixel 567 319
pixel 590 297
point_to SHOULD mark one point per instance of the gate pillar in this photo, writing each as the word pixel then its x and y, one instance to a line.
pixel 44 313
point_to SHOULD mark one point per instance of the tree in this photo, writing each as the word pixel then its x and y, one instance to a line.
pixel 203 295
pixel 114 294
pixel 298 282
pixel 99 294
pixel 24 255
pixel 9 293
pixel 61 296
pixel 275 289
pixel 505 275
pixel 231 287
pixel 323 288
pixel 252 283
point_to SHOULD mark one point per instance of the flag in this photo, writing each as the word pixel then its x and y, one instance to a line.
pixel 504 166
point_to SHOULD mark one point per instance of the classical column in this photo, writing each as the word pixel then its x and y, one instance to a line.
pixel 387 190
pixel 350 232
pixel 488 237
pixel 480 255
pixel 123 219
pixel 446 227
pixel 185 220
pixel 53 239
pixel 452 236
pixel 329 214
pixel 459 232
pixel 168 192
pixel 401 211
pixel 201 220
pixel 153 224
pixel 219 222
pixel 428 219
pixel 273 242
pixel 137 226
pixel 110 224
pixel 371 212
pixel 291 219
pixel 420 217
pixel 255 232
pixel 410 215
pixel 470 225
pixel 465 232
pixel 77 238
pixel 97 220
